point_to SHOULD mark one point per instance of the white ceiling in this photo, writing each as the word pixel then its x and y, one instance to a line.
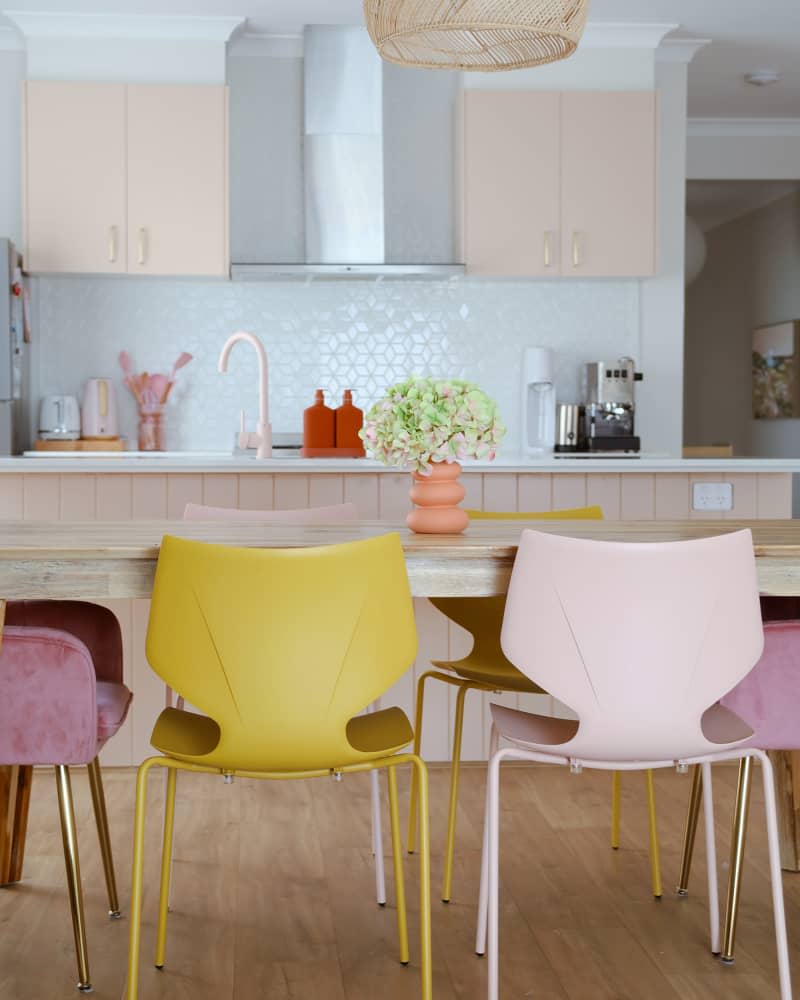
pixel 746 35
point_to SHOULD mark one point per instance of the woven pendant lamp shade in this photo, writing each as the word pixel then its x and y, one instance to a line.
pixel 483 35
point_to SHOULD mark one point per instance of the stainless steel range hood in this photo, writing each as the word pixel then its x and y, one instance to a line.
pixel 377 164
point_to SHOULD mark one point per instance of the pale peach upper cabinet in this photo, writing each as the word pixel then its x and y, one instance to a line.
pixel 608 176
pixel 74 151
pixel 511 182
pixel 177 180
pixel 126 178
pixel 560 184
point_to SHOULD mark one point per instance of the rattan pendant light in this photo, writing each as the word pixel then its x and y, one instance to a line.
pixel 483 35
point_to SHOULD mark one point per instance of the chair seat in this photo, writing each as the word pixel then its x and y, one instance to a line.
pixel 190 736
pixel 503 677
pixel 113 702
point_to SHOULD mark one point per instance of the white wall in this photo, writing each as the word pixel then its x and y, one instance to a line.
pixel 12 72
pixel 750 279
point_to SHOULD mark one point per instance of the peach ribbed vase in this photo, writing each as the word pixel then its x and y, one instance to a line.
pixel 435 498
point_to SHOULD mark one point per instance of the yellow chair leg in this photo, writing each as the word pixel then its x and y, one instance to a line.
pixel 397 856
pixel 455 769
pixel 166 867
pixel 655 860
pixel 412 803
pixel 426 967
pixel 615 809
pixel 135 933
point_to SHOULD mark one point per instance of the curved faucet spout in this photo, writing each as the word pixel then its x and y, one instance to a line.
pixel 264 431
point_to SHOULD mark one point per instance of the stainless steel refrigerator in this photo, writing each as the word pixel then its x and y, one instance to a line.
pixel 13 352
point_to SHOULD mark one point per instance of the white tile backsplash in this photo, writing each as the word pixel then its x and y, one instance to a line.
pixel 359 335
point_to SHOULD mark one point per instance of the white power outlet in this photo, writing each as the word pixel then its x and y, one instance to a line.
pixel 712 496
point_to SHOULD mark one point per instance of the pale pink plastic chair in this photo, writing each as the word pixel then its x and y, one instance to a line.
pixel 641 641
pixel 334 514
pixel 768 699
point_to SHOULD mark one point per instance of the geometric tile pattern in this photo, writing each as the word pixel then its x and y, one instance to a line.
pixel 335 335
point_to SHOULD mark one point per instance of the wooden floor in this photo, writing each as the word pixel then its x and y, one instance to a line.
pixel 273 896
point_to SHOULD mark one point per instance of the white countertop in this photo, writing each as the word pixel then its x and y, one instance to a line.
pixel 222 462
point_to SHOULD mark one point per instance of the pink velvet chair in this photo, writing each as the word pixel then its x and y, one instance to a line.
pixel 768 699
pixel 61 699
pixel 645 687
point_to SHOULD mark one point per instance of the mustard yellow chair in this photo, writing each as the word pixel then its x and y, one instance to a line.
pixel 485 668
pixel 280 649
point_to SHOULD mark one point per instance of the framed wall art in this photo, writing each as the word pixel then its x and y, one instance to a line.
pixel 776 371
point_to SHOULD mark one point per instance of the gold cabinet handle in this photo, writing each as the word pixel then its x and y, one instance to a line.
pixel 577 255
pixel 548 248
pixel 142 255
pixel 112 244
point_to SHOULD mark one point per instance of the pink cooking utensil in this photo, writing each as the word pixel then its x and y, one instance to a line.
pixel 183 359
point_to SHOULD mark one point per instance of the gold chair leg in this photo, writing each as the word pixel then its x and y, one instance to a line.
pixel 426 967
pixel 397 856
pixel 455 770
pixel 738 838
pixel 103 835
pixel 615 808
pixel 135 933
pixel 655 860
pixel 70 839
pixel 412 803
pixel 166 867
pixel 692 815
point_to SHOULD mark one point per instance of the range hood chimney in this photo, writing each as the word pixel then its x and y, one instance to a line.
pixel 369 134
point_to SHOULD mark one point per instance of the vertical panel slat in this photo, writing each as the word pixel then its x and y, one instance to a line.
pixel 569 490
pixel 672 497
pixel 41 497
pixel 182 489
pixel 605 492
pixel 535 492
pixel 395 503
pixel 745 498
pixel 325 490
pixel 774 495
pixel 114 497
pixel 638 497
pixel 11 498
pixel 78 501
pixel 362 490
pixel 291 492
pixel 221 491
pixel 500 492
pixel 256 492
pixel 149 496
pixel 473 484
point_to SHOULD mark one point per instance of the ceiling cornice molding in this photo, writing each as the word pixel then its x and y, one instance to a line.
pixel 743 128
pixel 265 44
pixel 680 49
pixel 37 24
pixel 11 40
pixel 624 35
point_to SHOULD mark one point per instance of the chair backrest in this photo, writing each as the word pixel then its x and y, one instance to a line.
pixel 281 647
pixel 638 639
pixel 482 617
pixel 768 698
pixel 309 515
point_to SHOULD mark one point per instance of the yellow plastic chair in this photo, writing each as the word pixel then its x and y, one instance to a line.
pixel 485 668
pixel 281 649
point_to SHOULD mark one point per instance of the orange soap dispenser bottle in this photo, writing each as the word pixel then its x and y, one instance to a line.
pixel 319 427
pixel 349 421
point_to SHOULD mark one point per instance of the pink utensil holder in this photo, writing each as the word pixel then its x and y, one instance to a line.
pixel 151 431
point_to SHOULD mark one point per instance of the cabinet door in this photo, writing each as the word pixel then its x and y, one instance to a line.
pixel 178 180
pixel 511 182
pixel 608 184
pixel 74 152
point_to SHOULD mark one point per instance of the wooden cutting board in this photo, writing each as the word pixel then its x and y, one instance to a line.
pixel 82 444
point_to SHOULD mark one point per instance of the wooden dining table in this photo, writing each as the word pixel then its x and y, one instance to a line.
pixel 93 560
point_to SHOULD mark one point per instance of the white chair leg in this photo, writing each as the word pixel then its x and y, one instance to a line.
pixel 483 895
pixel 775 877
pixel 377 839
pixel 377 827
pixel 711 858
pixel 493 781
